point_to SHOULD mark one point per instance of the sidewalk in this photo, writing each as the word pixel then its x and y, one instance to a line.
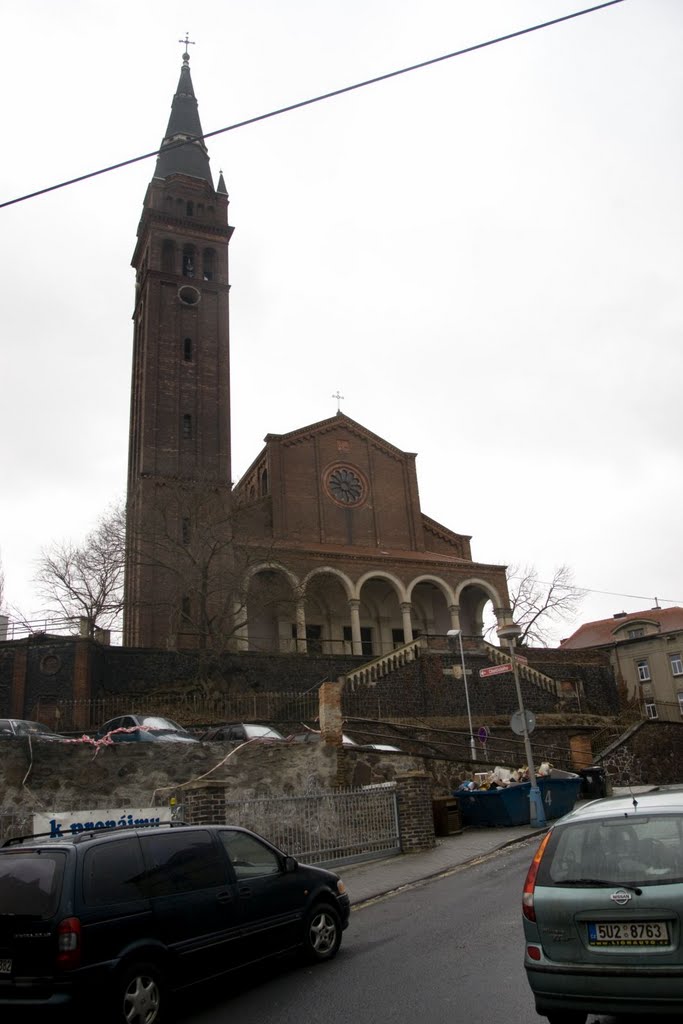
pixel 375 878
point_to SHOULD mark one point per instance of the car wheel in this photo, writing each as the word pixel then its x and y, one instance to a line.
pixel 322 933
pixel 567 1017
pixel 140 993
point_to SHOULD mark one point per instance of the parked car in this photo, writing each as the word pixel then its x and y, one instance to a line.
pixel 120 918
pixel 19 728
pixel 144 729
pixel 314 737
pixel 241 731
pixel 603 910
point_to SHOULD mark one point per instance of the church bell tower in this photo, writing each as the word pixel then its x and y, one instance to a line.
pixel 179 446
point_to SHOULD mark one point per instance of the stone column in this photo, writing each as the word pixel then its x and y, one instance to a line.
pixel 81 684
pixel 354 608
pixel 301 644
pixel 406 608
pixel 415 818
pixel 454 610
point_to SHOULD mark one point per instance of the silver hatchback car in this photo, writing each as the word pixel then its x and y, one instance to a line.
pixel 603 910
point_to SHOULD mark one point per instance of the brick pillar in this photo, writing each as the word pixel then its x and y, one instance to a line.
pixel 581 751
pixel 18 695
pixel 415 818
pixel 203 803
pixel 330 711
pixel 80 686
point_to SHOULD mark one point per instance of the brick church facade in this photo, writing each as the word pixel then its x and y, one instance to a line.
pixel 322 546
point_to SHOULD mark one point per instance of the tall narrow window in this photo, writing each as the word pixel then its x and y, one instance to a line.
pixel 208 264
pixel 643 670
pixel 187 350
pixel 264 482
pixel 185 608
pixel 188 261
pixel 651 709
pixel 187 426
pixel 676 664
pixel 189 208
pixel 186 530
pixel 168 257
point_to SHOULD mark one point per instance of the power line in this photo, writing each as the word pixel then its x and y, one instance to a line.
pixel 609 593
pixel 314 99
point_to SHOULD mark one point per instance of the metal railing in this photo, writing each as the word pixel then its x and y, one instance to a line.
pixel 325 828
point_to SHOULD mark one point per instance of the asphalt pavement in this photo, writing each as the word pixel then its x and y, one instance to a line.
pixel 370 879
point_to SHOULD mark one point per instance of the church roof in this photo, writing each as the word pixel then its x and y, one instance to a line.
pixel 330 424
pixel 184 126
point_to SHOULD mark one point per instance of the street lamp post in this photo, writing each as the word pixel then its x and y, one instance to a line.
pixel 536 809
pixel 452 634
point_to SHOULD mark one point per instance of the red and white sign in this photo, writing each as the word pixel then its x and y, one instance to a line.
pixel 495 670
pixel 521 659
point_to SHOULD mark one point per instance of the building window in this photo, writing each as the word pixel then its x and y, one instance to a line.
pixel 208 267
pixel 263 483
pixel 633 634
pixel 168 257
pixel 188 261
pixel 314 638
pixel 680 701
pixel 187 431
pixel 185 609
pixel 398 638
pixel 676 664
pixel 186 530
pixel 189 208
pixel 651 709
pixel 187 350
pixel 643 670
pixel 365 639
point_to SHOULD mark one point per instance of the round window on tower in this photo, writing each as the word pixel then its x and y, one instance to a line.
pixel 189 295
pixel 345 485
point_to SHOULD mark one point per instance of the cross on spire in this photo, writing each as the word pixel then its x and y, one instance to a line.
pixel 186 42
pixel 339 398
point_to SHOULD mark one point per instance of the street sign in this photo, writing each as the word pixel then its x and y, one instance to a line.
pixel 495 670
pixel 521 659
pixel 483 734
pixel 519 718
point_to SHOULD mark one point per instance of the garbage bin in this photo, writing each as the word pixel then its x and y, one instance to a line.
pixel 559 795
pixel 595 782
pixel 446 813
pixel 496 807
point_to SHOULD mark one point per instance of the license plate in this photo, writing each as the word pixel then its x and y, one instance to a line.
pixel 5 966
pixel 628 933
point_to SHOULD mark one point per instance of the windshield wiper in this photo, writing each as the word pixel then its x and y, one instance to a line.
pixel 603 882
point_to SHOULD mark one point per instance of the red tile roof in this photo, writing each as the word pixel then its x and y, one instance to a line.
pixel 594 634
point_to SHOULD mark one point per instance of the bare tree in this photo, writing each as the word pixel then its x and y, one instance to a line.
pixel 539 605
pixel 86 581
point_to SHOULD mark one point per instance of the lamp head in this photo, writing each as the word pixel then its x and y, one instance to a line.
pixel 509 632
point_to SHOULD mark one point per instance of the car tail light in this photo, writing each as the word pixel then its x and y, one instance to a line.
pixel 533 952
pixel 69 944
pixel 530 884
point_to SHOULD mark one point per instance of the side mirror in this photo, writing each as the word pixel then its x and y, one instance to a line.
pixel 291 864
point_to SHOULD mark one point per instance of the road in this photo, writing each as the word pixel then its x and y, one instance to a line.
pixel 443 951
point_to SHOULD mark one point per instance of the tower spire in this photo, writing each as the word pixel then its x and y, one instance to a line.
pixel 182 150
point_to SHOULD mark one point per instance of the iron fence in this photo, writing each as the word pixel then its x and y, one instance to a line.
pixel 325 828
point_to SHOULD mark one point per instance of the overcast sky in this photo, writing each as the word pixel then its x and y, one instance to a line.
pixel 484 256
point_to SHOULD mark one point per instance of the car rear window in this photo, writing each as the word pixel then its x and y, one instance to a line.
pixel 113 872
pixel 31 882
pixel 638 849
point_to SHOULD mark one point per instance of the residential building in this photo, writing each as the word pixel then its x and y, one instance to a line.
pixel 646 651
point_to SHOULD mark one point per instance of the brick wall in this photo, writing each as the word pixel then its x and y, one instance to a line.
pixel 416 822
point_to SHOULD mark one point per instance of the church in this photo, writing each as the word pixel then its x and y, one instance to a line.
pixel 322 546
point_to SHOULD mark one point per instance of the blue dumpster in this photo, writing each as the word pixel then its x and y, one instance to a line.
pixel 489 808
pixel 493 807
pixel 559 795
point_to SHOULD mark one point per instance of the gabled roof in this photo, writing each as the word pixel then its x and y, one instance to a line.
pixel 322 426
pixel 607 631
pixel 184 125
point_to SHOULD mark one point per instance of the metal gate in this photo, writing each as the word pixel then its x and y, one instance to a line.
pixel 325 828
